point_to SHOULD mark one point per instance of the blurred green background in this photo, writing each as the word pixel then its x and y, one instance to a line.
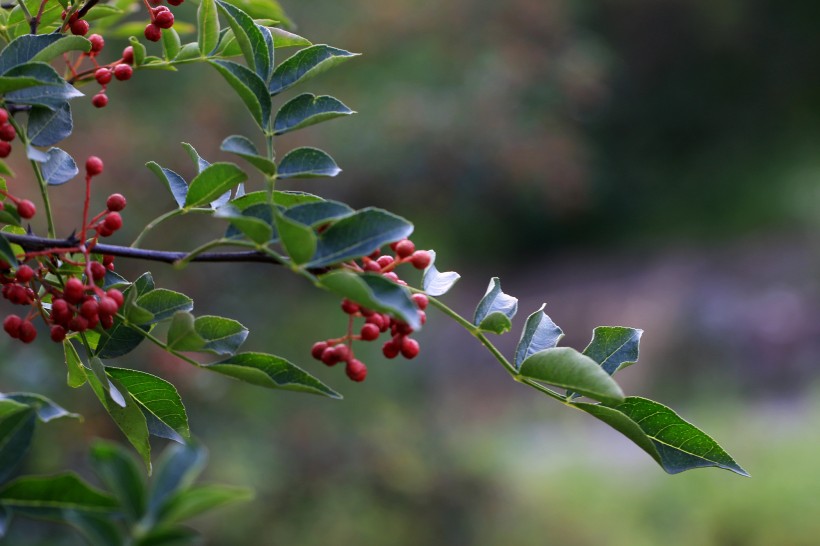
pixel 634 162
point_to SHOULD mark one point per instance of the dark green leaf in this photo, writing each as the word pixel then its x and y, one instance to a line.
pixel 539 333
pixel 156 396
pixel 46 410
pixel 6 252
pixel 98 529
pixel 16 431
pixel 250 39
pixel 48 127
pixel 436 283
pixel 53 94
pixel 207 334
pixel 614 347
pixel 39 47
pixel 245 149
pixel 565 367
pixel 281 198
pixel 98 369
pixel 171 44
pixel 207 26
pixel 133 312
pixel 182 335
pixel 5 520
pixel 177 468
pixel 188 52
pixel 306 64
pixel 496 309
pixel 298 239
pixel 199 163
pixel 249 87
pixel 272 372
pixel 306 110
pixel 213 182
pixel 373 292
pixel 8 84
pixel 119 472
pixel 62 491
pixel 283 38
pixel 307 163
pixel 59 167
pixel 318 213
pixel 675 444
pixel 358 235
pixel 173 536
pixel 263 9
pixel 256 229
pixel 175 183
pixel 163 303
pixel 76 373
pixel 200 499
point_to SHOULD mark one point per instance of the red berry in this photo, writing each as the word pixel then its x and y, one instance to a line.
pixel 370 332
pixel 317 349
pixel 175 2
pixel 102 75
pixel 5 148
pixel 153 33
pixel 97 43
pixel 27 332
pixel 390 349
pixel 107 321
pixel 113 221
pixel 57 334
pixel 405 248
pixel 100 100
pixel 79 27
pixel 128 55
pixel 350 307
pixel 356 370
pixel 24 273
pixel 372 266
pixel 392 276
pixel 107 307
pixel 164 19
pixel 421 301
pixel 60 313
pixel 78 324
pixel 343 352
pixel 421 259
pixel 402 328
pixel 409 348
pixel 384 261
pixel 26 209
pixel 123 72
pixel 329 356
pixel 97 271
pixel 7 132
pixel 115 202
pixel 4 116
pixel 116 295
pixel 90 309
pixel 11 325
pixel 74 290
pixel 103 231
pixel 93 165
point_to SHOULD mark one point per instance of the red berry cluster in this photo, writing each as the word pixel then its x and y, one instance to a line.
pixel 7 133
pixel 76 25
pixel 161 17
pixel 334 351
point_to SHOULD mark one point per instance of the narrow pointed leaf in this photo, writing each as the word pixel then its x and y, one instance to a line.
pixel 171 44
pixel 674 443
pixel 59 167
pixel 213 182
pixel 306 110
pixel 119 472
pixel 282 38
pixel 272 372
pixel 65 491
pixel 63 45
pixel 6 252
pixel 250 39
pixel 156 396
pixel 200 499
pixel 48 127
pixel 207 26
pixel 170 536
pixel 175 183
pixel 358 235
pixel 177 468
pixel 99 529
pixel 434 282
pixel 306 64
pixel 199 163
pixel 245 149
pixel 17 422
pixel 46 410
pixel 614 347
pixel 298 239
pixel 307 163
pixel 496 309
pixel 98 369
pixel 249 87
pixel 76 374
pixel 565 367
pixel 163 303
pixel 373 292
pixel 139 50
pixel 539 333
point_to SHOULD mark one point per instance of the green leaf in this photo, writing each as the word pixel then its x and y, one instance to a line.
pixel 17 423
pixel 157 397
pixel 45 409
pixel 539 333
pixel 260 212
pixel 139 51
pixel 171 44
pixel 98 529
pixel 249 87
pixel 263 9
pixel 133 312
pixel 306 64
pixel 200 499
pixel 213 182
pixel 245 149
pixel 272 372
pixel 188 52
pixel 5 520
pixel 177 468
pixel 98 369
pixel 282 38
pixel 199 163
pixel 63 45
pixel 129 418
pixel 163 303
pixel 207 334
pixel 674 443
pixel 256 229
pixel 175 183
pixel 298 239
pixel 48 127
pixel 318 213
pixel 76 373
pixel 54 92
pixel 119 472
pixel 307 163
pixel 59 167
pixel 373 292
pixel 496 309
pixel 39 47
pixel 358 235
pixel 8 84
pixel 207 26
pixel 65 491
pixel 306 110
pixel 182 335
pixel 6 252
pixel 171 536
pixel 250 39
pixel 434 282
pixel 565 367
pixel 614 347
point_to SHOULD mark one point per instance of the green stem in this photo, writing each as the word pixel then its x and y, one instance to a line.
pixel 26 13
pixel 158 342
pixel 38 174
